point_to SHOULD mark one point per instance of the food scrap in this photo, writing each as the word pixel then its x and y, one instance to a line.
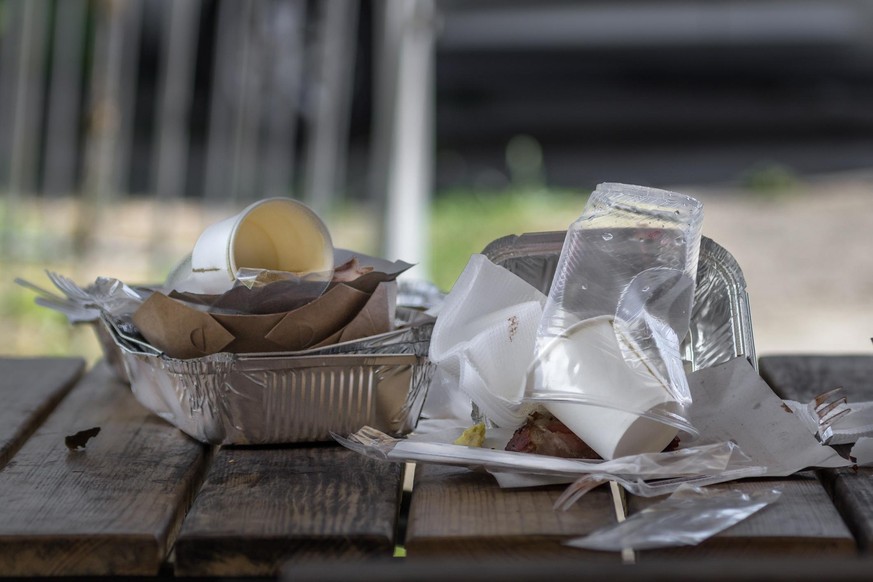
pixel 78 441
pixel 543 434
pixel 473 436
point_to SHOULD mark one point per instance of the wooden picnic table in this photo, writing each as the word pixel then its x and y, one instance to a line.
pixel 143 499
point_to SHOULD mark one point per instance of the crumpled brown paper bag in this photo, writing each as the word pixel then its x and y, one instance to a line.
pixel 343 313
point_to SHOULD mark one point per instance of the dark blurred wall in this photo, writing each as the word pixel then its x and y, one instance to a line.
pixel 654 92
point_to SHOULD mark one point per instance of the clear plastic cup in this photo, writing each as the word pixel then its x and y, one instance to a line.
pixel 630 259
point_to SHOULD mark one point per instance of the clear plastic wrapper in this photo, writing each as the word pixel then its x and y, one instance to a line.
pixel 261 291
pixel 85 304
pixel 739 468
pixel 686 518
pixel 626 270
pixel 687 462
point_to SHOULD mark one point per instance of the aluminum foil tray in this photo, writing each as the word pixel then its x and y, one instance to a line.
pixel 721 322
pixel 235 399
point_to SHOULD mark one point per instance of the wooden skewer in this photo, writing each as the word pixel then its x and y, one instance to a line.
pixel 619 503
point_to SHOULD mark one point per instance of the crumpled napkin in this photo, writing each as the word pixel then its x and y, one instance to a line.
pixel 731 401
pixel 862 452
pixel 482 344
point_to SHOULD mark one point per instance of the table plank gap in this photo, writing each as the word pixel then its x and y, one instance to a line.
pixel 189 495
pixel 263 506
pixel 852 490
pixel 107 509
pixel 30 388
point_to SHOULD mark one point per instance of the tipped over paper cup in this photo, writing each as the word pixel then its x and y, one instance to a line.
pixel 275 234
pixel 611 405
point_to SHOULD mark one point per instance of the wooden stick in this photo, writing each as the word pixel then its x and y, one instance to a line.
pixel 619 502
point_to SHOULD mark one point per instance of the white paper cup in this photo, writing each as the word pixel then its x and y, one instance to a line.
pixel 586 363
pixel 275 234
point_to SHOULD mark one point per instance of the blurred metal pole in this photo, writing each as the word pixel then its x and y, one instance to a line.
pixel 13 41
pixel 102 129
pixel 26 125
pixel 331 84
pixel 30 91
pixel 245 151
pixel 225 67
pixel 176 90
pixel 128 85
pixel 10 49
pixel 285 37
pixel 233 122
pixel 64 95
pixel 411 148
pixel 386 40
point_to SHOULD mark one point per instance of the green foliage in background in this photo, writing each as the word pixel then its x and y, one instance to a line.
pixel 30 329
pixel 463 223
pixel 770 180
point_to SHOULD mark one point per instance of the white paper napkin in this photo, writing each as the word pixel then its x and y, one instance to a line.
pixel 732 402
pixel 482 344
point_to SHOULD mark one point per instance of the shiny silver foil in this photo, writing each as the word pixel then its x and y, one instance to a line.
pixel 721 322
pixel 282 397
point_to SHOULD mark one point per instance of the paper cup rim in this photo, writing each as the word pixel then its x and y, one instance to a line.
pixel 244 214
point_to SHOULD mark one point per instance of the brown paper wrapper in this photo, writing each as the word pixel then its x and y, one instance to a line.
pixel 343 313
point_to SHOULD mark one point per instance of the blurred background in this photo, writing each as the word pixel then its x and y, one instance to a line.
pixel 424 129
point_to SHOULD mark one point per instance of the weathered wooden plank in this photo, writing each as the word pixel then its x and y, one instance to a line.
pixel 110 508
pixel 802 522
pixel 29 390
pixel 463 514
pixel 785 569
pixel 260 507
pixel 800 378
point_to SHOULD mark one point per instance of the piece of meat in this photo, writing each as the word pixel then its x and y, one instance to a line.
pixel 543 434
pixel 672 445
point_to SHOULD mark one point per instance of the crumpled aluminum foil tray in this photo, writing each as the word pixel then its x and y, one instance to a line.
pixel 253 399
pixel 721 321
